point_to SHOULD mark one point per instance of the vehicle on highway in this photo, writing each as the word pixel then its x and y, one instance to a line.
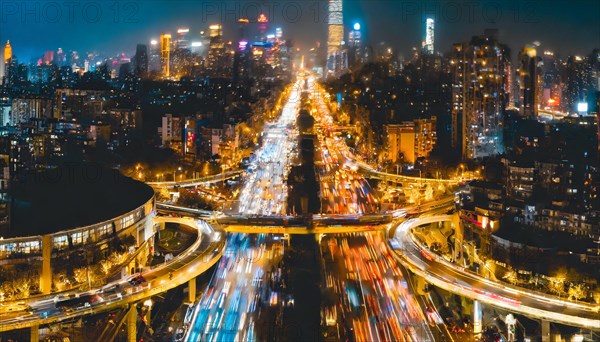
pixel 78 302
pixel 15 307
pixel 136 279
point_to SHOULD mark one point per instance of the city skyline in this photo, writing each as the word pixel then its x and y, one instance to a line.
pixel 132 23
pixel 333 170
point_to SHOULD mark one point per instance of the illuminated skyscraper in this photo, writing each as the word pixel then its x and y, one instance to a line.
pixel 215 31
pixel 154 58
pixel 528 81
pixel 336 56
pixel 355 36
pixel 165 54
pixel 357 55
pixel 182 40
pixel 429 38
pixel 479 95
pixel 5 61
pixel 7 52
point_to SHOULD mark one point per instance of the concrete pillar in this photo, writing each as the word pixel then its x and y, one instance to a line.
pixel 192 290
pixel 35 333
pixel 132 324
pixel 477 321
pixel 46 275
pixel 545 331
pixel 458 235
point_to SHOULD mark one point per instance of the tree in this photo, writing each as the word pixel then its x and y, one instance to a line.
pixel 557 285
pixel 577 292
pixel 510 276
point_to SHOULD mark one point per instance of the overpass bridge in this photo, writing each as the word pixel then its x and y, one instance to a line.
pixel 198 258
pixel 197 181
pixel 453 278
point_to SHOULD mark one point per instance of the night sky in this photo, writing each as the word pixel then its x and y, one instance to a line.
pixel 106 26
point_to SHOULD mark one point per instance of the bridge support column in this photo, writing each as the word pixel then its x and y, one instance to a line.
pixel 192 290
pixel 35 333
pixel 477 313
pixel 458 237
pixel 545 331
pixel 132 324
pixel 46 275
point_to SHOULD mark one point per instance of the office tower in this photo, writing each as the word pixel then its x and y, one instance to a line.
pixel 336 56
pixel 355 36
pixel 140 61
pixel 7 52
pixel 356 52
pixel 528 81
pixel 182 39
pixel 219 61
pixel 154 59
pixel 429 38
pixel 479 95
pixel 165 54
pixel 5 62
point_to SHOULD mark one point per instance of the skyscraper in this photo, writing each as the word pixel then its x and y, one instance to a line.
pixel 429 38
pixel 528 81
pixel 5 61
pixel 479 95
pixel 7 52
pixel 154 59
pixel 356 52
pixel 165 54
pixel 219 62
pixel 355 36
pixel 336 56
pixel 140 61
pixel 182 40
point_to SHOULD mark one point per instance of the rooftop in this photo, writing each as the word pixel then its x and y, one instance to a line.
pixel 54 200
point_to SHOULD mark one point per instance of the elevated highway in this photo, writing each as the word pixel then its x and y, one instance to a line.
pixel 198 181
pixel 448 276
pixel 199 257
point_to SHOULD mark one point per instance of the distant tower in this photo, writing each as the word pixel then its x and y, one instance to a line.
pixel 335 54
pixel 528 81
pixel 7 52
pixel 355 36
pixel 141 61
pixel 182 40
pixel 429 37
pixel 5 61
pixel 165 54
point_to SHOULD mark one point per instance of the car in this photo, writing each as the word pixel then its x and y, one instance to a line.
pixel 137 280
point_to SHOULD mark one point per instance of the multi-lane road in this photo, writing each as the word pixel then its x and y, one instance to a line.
pixel 230 307
pixel 456 279
pixel 199 257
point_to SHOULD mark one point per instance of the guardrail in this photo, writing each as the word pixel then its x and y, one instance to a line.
pixel 528 310
pixel 185 266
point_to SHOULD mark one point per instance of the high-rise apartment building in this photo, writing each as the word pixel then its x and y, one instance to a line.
pixel 479 95
pixel 528 82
